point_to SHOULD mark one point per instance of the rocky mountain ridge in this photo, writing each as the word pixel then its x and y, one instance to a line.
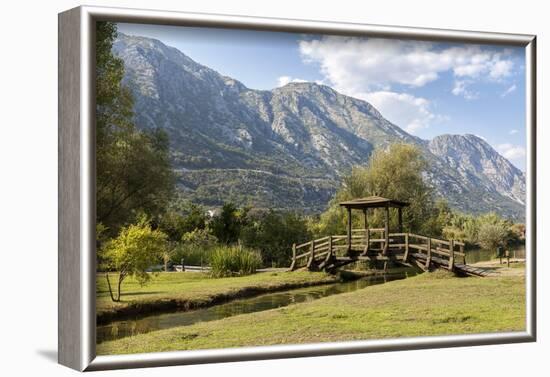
pixel 289 147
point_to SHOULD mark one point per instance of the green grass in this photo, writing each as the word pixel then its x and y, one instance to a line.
pixel 428 304
pixel 186 290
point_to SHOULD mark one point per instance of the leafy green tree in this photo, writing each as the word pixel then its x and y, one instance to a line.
pixel 493 231
pixel 517 233
pixel 273 235
pixel 462 227
pixel 195 247
pixel 227 225
pixel 182 217
pixel 492 236
pixel 133 167
pixel 470 228
pixel 131 253
pixel 396 173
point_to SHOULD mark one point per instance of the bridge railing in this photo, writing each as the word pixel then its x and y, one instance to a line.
pixel 444 252
pixel 319 251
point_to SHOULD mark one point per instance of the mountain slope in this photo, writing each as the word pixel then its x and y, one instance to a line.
pixel 289 147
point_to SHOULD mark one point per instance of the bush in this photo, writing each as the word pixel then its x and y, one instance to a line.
pixel 195 248
pixel 234 260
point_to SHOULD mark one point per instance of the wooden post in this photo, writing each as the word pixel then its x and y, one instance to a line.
pixel 387 230
pixel 400 215
pixel 312 255
pixel 452 255
pixel 367 235
pixel 461 248
pixel 349 229
pixel 293 264
pixel 329 254
pixel 406 256
pixel 429 257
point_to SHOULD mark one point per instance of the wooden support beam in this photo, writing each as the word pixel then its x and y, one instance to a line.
pixel 293 265
pixel 452 255
pixel 429 250
pixel 400 214
pixel 329 253
pixel 349 229
pixel 406 256
pixel 387 229
pixel 312 255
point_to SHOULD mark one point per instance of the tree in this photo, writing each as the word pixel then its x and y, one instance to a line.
pixel 133 167
pixel 182 217
pixel 395 173
pixel 493 231
pixel 462 227
pixel 195 247
pixel 491 236
pixel 226 226
pixel 273 234
pixel 136 248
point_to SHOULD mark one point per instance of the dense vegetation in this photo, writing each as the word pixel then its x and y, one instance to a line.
pixel 134 175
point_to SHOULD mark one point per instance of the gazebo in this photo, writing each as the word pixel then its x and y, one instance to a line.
pixel 364 204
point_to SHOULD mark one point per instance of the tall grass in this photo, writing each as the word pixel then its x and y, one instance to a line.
pixel 234 261
pixel 193 255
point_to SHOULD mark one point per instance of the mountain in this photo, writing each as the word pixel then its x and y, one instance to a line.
pixel 478 168
pixel 290 147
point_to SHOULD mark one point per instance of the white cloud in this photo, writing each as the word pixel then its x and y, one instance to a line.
pixel 367 68
pixel 461 89
pixel 500 68
pixel 361 63
pixel 511 152
pixel 513 132
pixel 511 89
pixel 411 113
pixel 284 80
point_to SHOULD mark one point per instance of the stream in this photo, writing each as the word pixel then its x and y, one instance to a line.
pixel 142 325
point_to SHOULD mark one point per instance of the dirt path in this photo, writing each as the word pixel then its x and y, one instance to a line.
pixel 517 267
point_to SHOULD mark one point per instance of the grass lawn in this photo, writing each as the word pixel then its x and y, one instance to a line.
pixel 187 290
pixel 428 304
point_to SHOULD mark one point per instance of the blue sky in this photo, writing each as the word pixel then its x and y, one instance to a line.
pixel 426 88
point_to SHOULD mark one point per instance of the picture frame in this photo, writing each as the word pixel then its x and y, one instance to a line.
pixel 77 254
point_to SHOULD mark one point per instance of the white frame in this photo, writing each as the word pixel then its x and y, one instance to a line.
pixel 77 325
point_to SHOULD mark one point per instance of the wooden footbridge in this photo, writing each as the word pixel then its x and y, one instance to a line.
pixel 379 245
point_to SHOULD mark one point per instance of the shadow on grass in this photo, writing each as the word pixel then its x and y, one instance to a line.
pixel 125 294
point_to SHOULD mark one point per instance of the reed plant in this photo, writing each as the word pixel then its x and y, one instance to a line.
pixel 234 261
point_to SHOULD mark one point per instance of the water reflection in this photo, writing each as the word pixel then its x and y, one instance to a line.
pixel 120 329
pixel 482 255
